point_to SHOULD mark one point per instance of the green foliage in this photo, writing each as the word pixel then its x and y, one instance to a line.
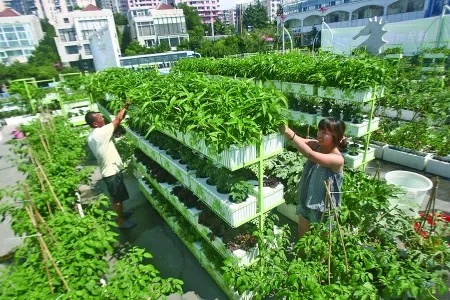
pixel 323 69
pixel 43 64
pixel 240 190
pixel 255 16
pixel 356 259
pixel 65 255
pixel 120 19
pixel 287 167
pixel 194 24
pixel 133 279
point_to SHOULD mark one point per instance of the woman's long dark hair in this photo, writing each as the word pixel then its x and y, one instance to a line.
pixel 337 128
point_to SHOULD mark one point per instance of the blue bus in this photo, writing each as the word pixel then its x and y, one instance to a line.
pixel 158 60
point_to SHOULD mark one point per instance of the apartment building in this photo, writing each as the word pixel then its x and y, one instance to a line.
pixel 75 30
pixel 23 7
pixel 208 10
pixel 228 17
pixel 302 16
pixel 19 36
pixel 45 9
pixel 272 8
pixel 151 26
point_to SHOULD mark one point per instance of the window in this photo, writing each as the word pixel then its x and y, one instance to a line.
pixel 66 20
pixel 67 35
pixel 145 29
pixel 86 34
pixel 72 49
pixel 87 49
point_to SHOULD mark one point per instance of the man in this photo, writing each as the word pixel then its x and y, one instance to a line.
pixel 102 146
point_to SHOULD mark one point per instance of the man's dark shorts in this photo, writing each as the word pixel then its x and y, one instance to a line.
pixel 116 187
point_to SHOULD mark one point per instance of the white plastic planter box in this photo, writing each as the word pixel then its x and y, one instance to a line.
pixel 234 214
pixel 272 197
pixel 358 160
pixel 379 149
pixel 394 55
pixel 298 88
pixel 411 160
pixel 301 117
pixel 289 211
pixel 274 84
pixel 17 120
pixel 71 105
pixel 234 157
pixel 434 69
pixel 358 130
pixel 78 121
pixel 434 55
pixel 152 151
pixel 177 170
pixel 356 96
pixel 272 143
pixel 438 167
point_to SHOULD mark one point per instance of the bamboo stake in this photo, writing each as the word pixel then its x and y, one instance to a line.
pixel 44 145
pixel 341 235
pixel 430 207
pixel 43 132
pixel 331 206
pixel 36 170
pixel 44 256
pixel 48 253
pixel 37 213
pixel 52 191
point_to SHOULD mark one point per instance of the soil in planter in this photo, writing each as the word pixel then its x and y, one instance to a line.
pixel 442 158
pixel 271 181
pixel 154 169
pixel 233 238
pixel 186 197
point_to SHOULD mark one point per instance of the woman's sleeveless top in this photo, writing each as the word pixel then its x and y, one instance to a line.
pixel 312 189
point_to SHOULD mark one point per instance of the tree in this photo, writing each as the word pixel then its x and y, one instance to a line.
pixel 120 19
pixel 191 16
pixel 46 52
pixel 255 16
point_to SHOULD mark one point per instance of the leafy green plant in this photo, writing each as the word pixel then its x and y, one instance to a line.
pixel 393 50
pixel 135 280
pixel 64 254
pixel 240 190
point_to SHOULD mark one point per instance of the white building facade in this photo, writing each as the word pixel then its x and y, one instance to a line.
pixel 208 10
pixel 302 16
pixel 74 31
pixel 150 26
pixel 49 9
pixel 272 8
pixel 19 36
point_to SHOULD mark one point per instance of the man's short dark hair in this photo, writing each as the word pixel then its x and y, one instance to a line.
pixel 90 117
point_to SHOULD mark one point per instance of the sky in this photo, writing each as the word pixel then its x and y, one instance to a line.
pixel 228 4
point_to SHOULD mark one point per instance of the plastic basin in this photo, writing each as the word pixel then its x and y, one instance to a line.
pixel 414 187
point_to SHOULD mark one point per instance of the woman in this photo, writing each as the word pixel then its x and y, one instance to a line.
pixel 325 164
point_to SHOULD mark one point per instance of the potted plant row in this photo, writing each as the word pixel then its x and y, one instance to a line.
pixel 329 72
pixel 225 120
pixel 233 213
pixel 186 203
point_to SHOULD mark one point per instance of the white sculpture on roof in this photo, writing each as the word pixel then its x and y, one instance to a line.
pixel 375 32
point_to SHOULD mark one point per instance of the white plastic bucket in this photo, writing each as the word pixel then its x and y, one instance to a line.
pixel 415 187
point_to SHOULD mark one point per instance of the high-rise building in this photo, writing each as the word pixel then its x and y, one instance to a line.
pixel 302 16
pixel 151 26
pixel 75 30
pixel 272 8
pixel 208 10
pixel 19 36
